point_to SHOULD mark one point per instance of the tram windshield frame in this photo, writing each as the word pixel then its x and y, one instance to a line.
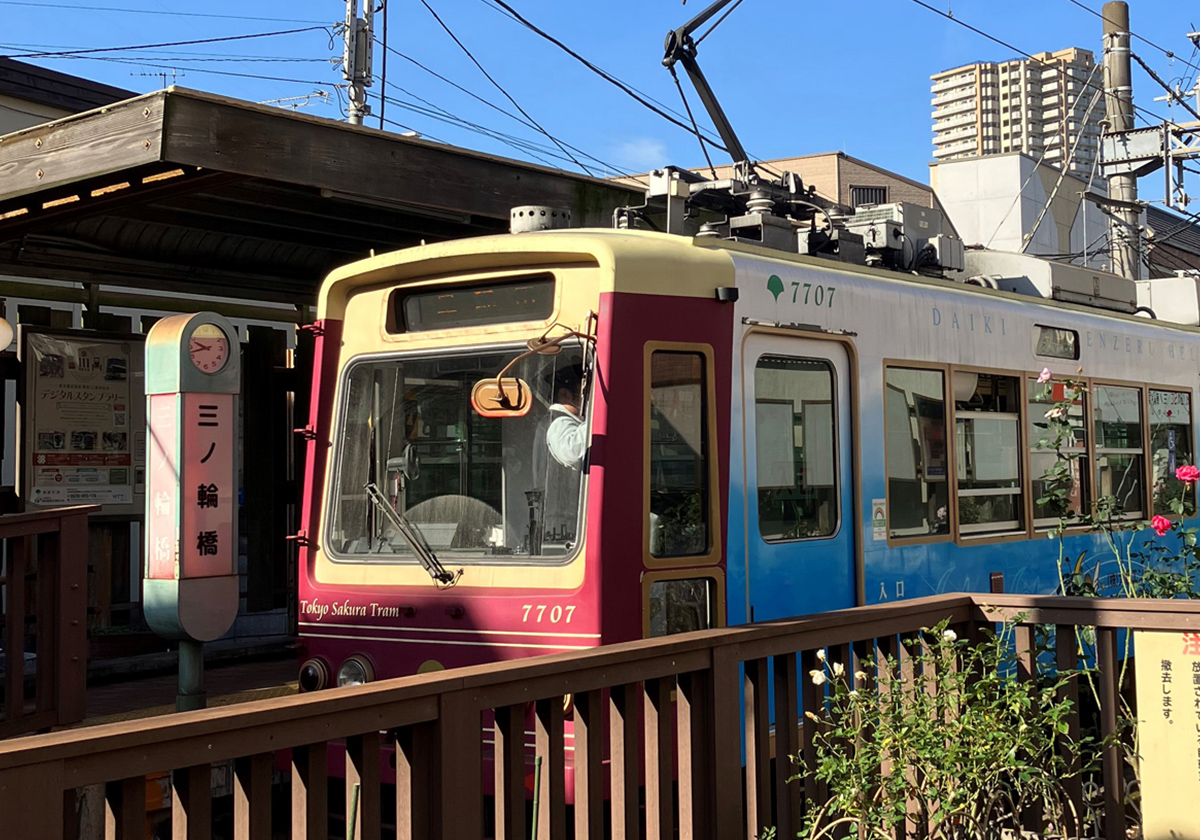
pixel 469 485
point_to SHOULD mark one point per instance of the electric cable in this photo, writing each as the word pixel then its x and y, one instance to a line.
pixel 500 87
pixel 224 39
pixel 1171 93
pixel 229 73
pixel 164 12
pixel 710 29
pixel 1163 50
pixel 615 169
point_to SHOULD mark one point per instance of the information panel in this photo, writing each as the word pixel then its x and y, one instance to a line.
pixel 82 438
pixel 1168 701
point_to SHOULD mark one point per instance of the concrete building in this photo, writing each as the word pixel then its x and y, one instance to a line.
pixel 1010 202
pixel 1045 107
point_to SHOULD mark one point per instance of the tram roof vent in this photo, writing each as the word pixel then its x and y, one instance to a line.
pixel 1027 274
pixel 530 217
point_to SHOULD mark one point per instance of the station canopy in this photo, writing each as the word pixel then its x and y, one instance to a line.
pixel 202 195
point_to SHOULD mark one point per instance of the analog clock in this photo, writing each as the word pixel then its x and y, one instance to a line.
pixel 209 348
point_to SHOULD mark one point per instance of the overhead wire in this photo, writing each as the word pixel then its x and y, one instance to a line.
pixel 500 87
pixel 1170 93
pixel 695 127
pixel 612 168
pixel 1168 53
pixel 229 73
pixel 223 39
pixel 165 12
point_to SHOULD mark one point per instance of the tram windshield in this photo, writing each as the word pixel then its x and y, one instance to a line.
pixel 472 487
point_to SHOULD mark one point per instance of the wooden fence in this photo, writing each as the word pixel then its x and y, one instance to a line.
pixel 657 736
pixel 44 609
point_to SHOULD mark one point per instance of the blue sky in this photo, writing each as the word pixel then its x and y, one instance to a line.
pixel 795 77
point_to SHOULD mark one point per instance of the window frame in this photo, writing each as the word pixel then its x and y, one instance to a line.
pixel 714 551
pixel 1191 427
pixel 716 575
pixel 951 459
pixel 1143 391
pixel 1023 490
pixel 837 455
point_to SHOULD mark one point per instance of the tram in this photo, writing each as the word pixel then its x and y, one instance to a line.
pixel 535 443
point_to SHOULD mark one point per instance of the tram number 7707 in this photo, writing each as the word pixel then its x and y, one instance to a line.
pixel 557 614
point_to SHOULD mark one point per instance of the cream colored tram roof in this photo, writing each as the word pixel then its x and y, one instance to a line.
pixel 650 263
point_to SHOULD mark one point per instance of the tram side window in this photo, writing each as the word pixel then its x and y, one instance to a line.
pixel 1120 464
pixel 1047 509
pixel 680 606
pixel 678 455
pixel 987 435
pixel 918 480
pixel 1171 448
pixel 796 449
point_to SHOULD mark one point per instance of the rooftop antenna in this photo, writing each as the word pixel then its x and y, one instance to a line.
pixel 297 102
pixel 162 74
pixel 681 48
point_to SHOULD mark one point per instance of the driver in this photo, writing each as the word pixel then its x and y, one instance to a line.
pixel 566 437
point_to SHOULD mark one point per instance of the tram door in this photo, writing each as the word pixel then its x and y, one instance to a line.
pixel 799 497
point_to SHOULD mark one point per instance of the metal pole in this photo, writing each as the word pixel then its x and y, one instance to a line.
pixel 191 694
pixel 1118 100
pixel 356 59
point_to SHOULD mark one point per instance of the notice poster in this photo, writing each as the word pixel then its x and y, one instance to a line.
pixel 82 420
pixel 1167 667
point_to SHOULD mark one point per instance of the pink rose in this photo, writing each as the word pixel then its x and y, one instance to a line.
pixel 1045 375
pixel 1188 474
pixel 1160 524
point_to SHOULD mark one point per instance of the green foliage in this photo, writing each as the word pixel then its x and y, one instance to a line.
pixel 974 749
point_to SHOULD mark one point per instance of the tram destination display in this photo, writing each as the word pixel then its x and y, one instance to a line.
pixel 81 420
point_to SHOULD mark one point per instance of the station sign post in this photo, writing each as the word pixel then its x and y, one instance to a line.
pixel 190 578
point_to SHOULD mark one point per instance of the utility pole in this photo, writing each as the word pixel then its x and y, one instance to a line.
pixel 357 54
pixel 1118 100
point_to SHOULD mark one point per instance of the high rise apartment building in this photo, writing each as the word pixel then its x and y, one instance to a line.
pixel 1037 106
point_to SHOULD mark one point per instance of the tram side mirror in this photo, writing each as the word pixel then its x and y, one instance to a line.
pixel 509 397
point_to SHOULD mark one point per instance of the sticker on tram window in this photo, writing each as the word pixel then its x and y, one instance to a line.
pixel 1057 343
pixel 508 300
pixel 547 614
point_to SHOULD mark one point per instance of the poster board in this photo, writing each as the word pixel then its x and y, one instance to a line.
pixel 1167 667
pixel 81 420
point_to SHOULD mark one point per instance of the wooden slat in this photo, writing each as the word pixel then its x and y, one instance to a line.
pixel 71 634
pixel 660 801
pixel 548 746
pixel 191 803
pixel 1027 672
pixel 414 781
pixel 125 809
pixel 725 692
pixel 1112 770
pixel 510 772
pixel 1067 661
pixel 812 699
pixel 48 582
pixel 310 792
pixel 32 802
pixel 694 712
pixel 758 739
pixel 588 720
pixel 362 771
pixel 624 765
pixel 886 675
pixel 14 629
pixel 906 684
pixel 252 797
pixel 787 744
pixel 458 796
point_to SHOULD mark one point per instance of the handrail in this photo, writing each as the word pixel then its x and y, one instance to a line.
pixel 665 702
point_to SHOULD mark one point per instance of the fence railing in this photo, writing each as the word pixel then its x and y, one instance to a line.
pixel 658 730
pixel 44 557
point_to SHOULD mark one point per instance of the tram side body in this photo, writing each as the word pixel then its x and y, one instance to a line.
pixel 403 624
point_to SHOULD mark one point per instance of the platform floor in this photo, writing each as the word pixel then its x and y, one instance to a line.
pixel 237 682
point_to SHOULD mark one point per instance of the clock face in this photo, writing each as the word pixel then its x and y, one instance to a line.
pixel 209 348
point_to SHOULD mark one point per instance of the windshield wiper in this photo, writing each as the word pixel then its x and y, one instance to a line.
pixel 413 537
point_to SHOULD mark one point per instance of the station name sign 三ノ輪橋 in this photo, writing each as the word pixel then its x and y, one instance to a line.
pixel 193 379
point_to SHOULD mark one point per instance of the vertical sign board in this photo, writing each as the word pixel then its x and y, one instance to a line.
pixel 192 383
pixel 81 438
pixel 1168 701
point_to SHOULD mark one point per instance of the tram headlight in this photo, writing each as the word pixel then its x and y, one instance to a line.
pixel 314 675
pixel 356 670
